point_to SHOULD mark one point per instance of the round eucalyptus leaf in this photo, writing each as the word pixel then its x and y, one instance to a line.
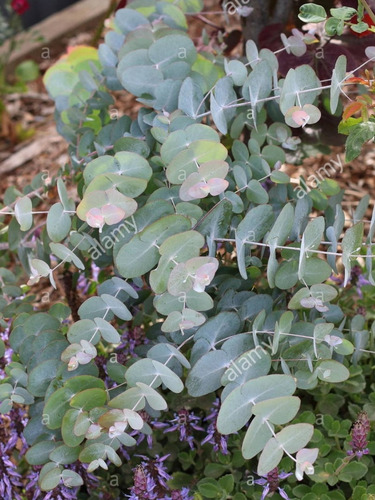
pixel 205 376
pixel 41 376
pixel 270 458
pixel 83 329
pixel 38 454
pixel 256 193
pixel 88 399
pixel 237 71
pixel 23 213
pixel 58 223
pixel 236 409
pixel 67 428
pixel 278 410
pixel 56 406
pixel 140 80
pixel 168 377
pixel 295 437
pixel 71 479
pixel 332 371
pixel 141 254
pixel 256 437
pixel 108 332
pixel 143 371
pixel 92 452
pixel 51 479
pixel 64 454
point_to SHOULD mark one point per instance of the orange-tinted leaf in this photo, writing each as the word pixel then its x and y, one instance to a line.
pixel 355 79
pixel 351 109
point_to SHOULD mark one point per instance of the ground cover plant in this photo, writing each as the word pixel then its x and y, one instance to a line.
pixel 225 346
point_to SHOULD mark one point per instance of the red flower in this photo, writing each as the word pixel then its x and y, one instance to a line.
pixel 20 6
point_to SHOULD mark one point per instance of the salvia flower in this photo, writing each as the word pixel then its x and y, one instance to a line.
pixel 144 485
pixel 271 483
pixel 183 494
pixel 7 358
pixel 140 436
pixel 360 430
pixel 130 340
pixel 185 422
pixel 11 430
pixel 219 442
pixel 10 479
pixel 83 284
pixel 356 278
pixel 150 479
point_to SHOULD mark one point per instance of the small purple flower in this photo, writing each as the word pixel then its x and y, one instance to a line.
pixel 183 494
pixel 271 482
pixel 360 431
pixel 10 479
pixel 356 278
pixel 11 429
pixel 184 422
pixel 83 284
pixel 219 442
pixel 150 479
pixel 95 271
pixel 267 184
pixel 140 435
pixel 130 340
pixel 144 485
pixel 7 358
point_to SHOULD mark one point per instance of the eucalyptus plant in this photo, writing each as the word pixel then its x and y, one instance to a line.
pixel 205 241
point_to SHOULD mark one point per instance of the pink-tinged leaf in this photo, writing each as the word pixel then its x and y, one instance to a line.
pixel 193 179
pixel 117 429
pixel 300 117
pixel 333 340
pixel 217 186
pixel 83 358
pixel 94 218
pixel 199 190
pixel 112 214
pixel 73 364
pixel 308 302
pixel 305 459
pixel 204 276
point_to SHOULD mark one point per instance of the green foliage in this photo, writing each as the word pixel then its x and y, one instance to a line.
pixel 205 246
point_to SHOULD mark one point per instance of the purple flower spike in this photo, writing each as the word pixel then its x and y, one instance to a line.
pixel 218 441
pixel 271 483
pixel 360 431
pixel 150 479
pixel 184 422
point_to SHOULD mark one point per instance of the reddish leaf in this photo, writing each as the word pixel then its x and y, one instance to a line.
pixel 351 109
pixel 355 79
